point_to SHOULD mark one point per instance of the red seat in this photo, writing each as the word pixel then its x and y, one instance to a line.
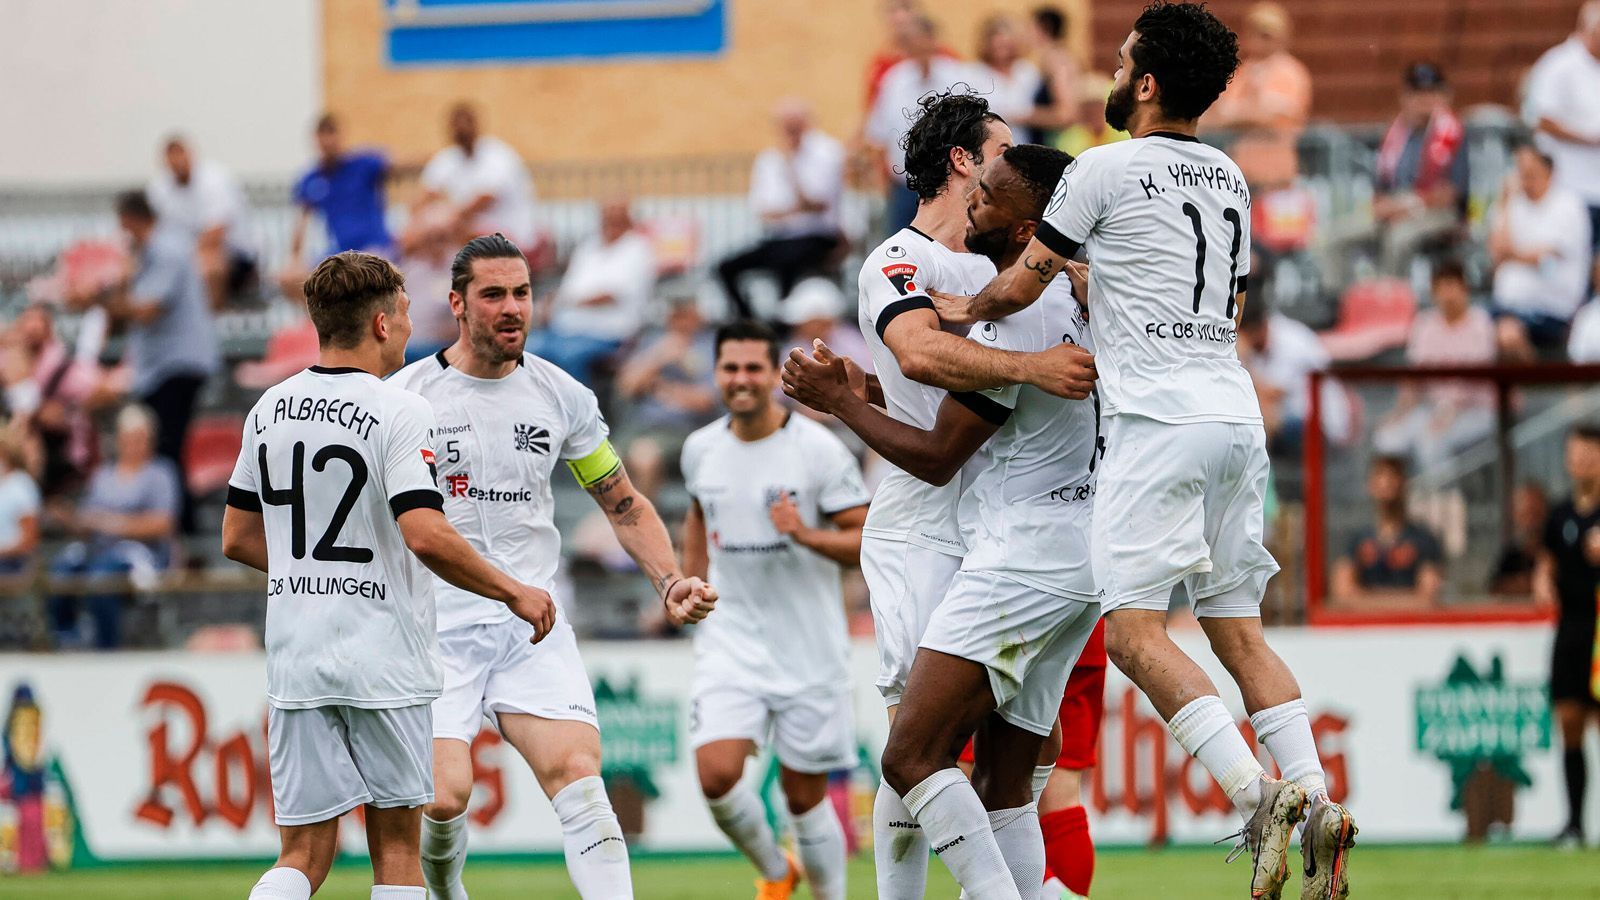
pixel 210 452
pixel 1374 316
pixel 288 351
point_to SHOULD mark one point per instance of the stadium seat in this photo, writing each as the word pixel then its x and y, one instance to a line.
pixel 210 452
pixel 1374 317
pixel 289 350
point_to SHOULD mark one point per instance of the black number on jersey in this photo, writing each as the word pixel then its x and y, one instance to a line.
pixel 294 497
pixel 1098 451
pixel 1232 216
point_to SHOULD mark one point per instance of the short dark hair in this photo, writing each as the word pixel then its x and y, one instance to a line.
pixel 484 246
pixel 1039 168
pixel 748 330
pixel 1585 431
pixel 1051 20
pixel 135 205
pixel 327 122
pixel 1448 269
pixel 344 290
pixel 1391 461
pixel 954 118
pixel 1188 51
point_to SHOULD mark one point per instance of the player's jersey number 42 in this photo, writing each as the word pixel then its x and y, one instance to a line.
pixel 326 460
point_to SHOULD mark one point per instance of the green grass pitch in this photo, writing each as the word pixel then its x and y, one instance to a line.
pixel 1437 873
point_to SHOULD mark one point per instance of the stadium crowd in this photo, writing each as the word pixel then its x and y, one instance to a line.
pixel 107 458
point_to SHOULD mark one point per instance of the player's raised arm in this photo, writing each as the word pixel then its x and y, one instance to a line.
pixel 935 456
pixel 696 559
pixel 841 543
pixel 1013 290
pixel 938 358
pixel 641 532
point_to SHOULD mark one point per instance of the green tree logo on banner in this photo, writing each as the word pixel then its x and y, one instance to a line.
pixel 1477 719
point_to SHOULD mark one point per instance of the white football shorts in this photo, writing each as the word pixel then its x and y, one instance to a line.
pixel 1028 639
pixel 490 668
pixel 905 583
pixel 1182 504
pixel 328 760
pixel 811 732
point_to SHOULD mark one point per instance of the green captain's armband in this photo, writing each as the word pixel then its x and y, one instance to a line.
pixel 597 466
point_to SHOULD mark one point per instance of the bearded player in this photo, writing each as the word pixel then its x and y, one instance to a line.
pixel 1165 220
pixel 505 417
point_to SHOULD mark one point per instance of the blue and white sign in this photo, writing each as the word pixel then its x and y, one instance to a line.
pixel 443 32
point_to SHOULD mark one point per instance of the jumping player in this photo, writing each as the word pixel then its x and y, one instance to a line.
pixel 333 494
pixel 1166 220
pixel 505 418
pixel 774 662
pixel 997 651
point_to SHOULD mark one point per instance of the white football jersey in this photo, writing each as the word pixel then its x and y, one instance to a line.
pixel 1166 222
pixel 779 624
pixel 331 457
pixel 895 279
pixel 1026 514
pixel 499 441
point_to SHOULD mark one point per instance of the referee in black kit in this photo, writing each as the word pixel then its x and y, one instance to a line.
pixel 1568 577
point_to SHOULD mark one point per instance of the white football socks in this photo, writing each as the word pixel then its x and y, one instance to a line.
pixel 1286 730
pixel 1206 731
pixel 957 826
pixel 444 855
pixel 597 853
pixel 742 818
pixel 282 883
pixel 1041 778
pixel 899 848
pixel 398 892
pixel 1021 843
pixel 820 839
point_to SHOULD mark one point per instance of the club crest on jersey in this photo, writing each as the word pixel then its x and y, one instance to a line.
pixel 530 439
pixel 902 276
pixel 895 252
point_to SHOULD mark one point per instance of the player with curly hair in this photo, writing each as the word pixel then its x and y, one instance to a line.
pixel 1166 223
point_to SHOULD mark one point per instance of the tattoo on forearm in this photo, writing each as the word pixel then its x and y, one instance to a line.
pixel 1044 267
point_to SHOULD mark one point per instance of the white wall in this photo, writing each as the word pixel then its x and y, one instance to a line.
pixel 88 88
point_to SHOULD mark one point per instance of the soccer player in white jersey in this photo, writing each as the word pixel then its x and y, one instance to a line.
pixel 911 545
pixel 334 497
pixel 1166 220
pixel 998 650
pixel 773 664
pixel 505 417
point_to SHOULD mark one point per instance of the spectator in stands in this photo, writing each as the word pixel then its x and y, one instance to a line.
pixel 900 19
pixel 923 71
pixel 1005 76
pixel 671 382
pixel 1442 417
pixel 1268 101
pixel 204 202
pixel 1280 354
pixel 51 392
pixel 1567 575
pixel 1055 105
pixel 1422 171
pixel 1583 343
pixel 795 188
pixel 484 182
pixel 1513 572
pixel 1394 563
pixel 19 506
pixel 125 525
pixel 1542 255
pixel 171 342
pixel 1091 129
pixel 346 188
pixel 1563 104
pixel 600 305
